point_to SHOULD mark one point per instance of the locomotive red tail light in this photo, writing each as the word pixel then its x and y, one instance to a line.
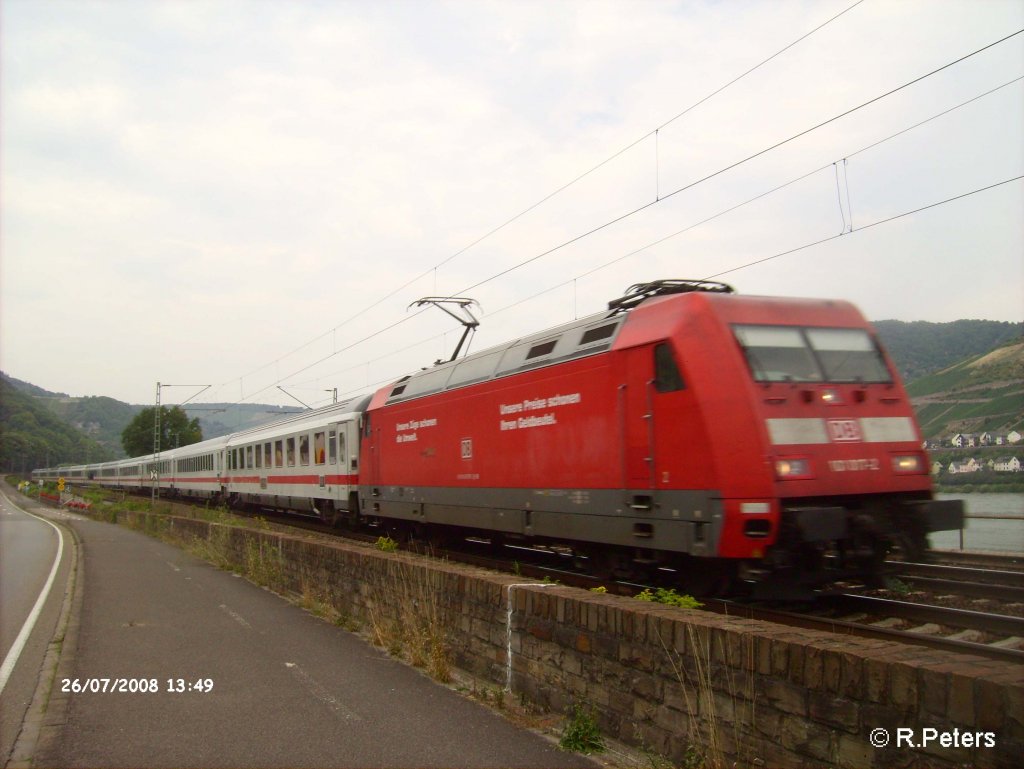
pixel 907 464
pixel 793 468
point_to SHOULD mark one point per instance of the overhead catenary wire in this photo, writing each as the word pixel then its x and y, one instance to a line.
pixel 736 164
pixel 694 225
pixel 804 247
pixel 864 227
pixel 649 204
pixel 757 197
pixel 551 195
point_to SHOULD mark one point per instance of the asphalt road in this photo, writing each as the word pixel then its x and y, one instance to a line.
pixel 28 549
pixel 286 689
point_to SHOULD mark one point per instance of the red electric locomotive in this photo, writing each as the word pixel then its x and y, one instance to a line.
pixel 686 429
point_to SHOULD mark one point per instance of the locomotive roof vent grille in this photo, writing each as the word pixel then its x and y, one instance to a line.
pixel 598 333
pixel 539 350
pixel 640 292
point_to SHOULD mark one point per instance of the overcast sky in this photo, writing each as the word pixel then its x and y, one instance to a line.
pixel 250 194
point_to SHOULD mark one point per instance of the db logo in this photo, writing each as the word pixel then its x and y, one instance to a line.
pixel 844 430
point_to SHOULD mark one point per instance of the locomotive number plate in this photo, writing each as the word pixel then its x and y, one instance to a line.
pixel 844 430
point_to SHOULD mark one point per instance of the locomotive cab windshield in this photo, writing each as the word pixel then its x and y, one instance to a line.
pixel 795 354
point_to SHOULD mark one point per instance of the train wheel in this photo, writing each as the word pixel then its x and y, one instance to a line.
pixel 329 514
pixel 910 545
pixel 604 563
pixel 706 577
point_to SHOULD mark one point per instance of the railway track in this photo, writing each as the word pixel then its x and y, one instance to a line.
pixel 999 561
pixel 987 634
pixel 967 632
pixel 988 583
pixel 980 633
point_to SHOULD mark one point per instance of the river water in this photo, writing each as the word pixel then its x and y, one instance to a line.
pixel 981 532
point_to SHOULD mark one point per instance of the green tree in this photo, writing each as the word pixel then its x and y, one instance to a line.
pixel 176 429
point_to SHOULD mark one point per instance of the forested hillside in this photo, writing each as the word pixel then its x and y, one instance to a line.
pixel 33 436
pixel 921 348
pixel 100 419
pixel 983 393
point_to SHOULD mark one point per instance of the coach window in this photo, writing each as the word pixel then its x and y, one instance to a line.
pixel 268 454
pixel 332 447
pixel 304 449
pixel 259 455
pixel 278 454
pixel 666 373
pixel 290 444
pixel 248 457
pixel 319 448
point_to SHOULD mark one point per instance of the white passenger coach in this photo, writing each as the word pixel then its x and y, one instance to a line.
pixel 307 463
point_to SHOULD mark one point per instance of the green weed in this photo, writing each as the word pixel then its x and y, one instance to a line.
pixel 581 733
pixel 669 597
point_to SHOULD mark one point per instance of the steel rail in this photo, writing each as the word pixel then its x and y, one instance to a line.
pixel 848 603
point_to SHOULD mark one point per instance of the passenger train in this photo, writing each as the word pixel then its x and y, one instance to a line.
pixel 686 433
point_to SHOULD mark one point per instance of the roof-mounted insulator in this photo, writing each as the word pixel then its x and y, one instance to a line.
pixel 640 292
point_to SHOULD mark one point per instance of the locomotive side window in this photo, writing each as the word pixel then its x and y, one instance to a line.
pixel 666 373
pixel 848 355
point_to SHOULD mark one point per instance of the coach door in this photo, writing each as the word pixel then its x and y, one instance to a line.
pixel 345 453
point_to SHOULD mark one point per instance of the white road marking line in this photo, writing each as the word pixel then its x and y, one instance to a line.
pixel 236 617
pixel 30 622
pixel 321 694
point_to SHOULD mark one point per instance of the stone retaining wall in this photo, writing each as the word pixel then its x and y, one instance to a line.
pixel 696 687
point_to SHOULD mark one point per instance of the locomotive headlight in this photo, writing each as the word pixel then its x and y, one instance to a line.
pixel 831 397
pixel 792 468
pixel 907 464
